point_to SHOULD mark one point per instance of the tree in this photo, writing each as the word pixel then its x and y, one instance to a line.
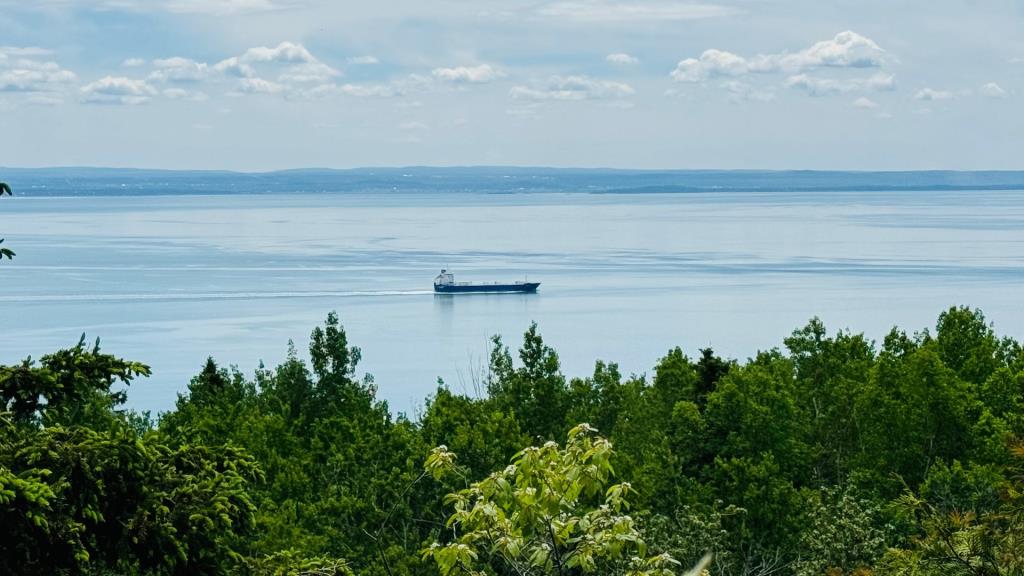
pixel 845 532
pixel 830 374
pixel 967 344
pixel 551 511
pixel 482 435
pixel 5 189
pixel 711 369
pixel 67 386
pixel 336 463
pixel 913 411
pixel 963 541
pixel 536 391
pixel 84 490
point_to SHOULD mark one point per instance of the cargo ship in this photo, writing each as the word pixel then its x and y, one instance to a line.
pixel 444 283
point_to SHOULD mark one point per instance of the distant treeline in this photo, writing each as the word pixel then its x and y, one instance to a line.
pixel 831 455
pixel 489 180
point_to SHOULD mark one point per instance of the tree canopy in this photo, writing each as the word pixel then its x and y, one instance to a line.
pixel 829 455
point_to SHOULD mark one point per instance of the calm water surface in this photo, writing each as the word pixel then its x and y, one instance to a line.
pixel 170 280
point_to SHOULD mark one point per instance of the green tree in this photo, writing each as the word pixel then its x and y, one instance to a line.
pixel 692 532
pixel 755 411
pixel 84 490
pixel 535 391
pixel 913 411
pixel 845 532
pixel 294 563
pixel 967 344
pixel 70 386
pixel 481 434
pixel 831 373
pixel 551 511
pixel 964 542
pixel 710 370
pixel 336 463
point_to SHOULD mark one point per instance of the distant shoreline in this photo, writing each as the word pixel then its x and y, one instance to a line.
pixel 74 182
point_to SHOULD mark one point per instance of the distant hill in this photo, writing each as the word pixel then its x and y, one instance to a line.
pixel 483 179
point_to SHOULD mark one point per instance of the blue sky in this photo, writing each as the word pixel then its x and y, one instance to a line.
pixel 268 84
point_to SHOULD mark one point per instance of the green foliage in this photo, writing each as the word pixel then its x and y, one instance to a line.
pixel 694 532
pixel 89 493
pixel 831 374
pixel 481 434
pixel 845 532
pixel 336 464
pixel 69 386
pixel 551 511
pixel 967 345
pixel 293 563
pixel 830 455
pixel 969 521
pixel 535 392
pixel 919 411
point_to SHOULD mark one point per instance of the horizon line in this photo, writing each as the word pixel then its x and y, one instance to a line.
pixel 516 167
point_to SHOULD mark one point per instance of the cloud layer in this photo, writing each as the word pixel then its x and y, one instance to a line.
pixel 846 50
pixel 117 90
pixel 25 70
pixel 480 74
pixel 573 88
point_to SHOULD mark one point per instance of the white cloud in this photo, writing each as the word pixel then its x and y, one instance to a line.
pixel 28 75
pixel 117 90
pixel 846 50
pixel 133 63
pixel 816 86
pixel 395 88
pixel 178 69
pixel 865 103
pixel 367 90
pixel 307 72
pixel 615 12
pixel 259 86
pixel 362 60
pixel 480 74
pixel 295 67
pixel 710 64
pixel 235 67
pixel 283 52
pixel 621 58
pixel 412 126
pixel 881 82
pixel 992 90
pixel 830 86
pixel 929 95
pixel 573 88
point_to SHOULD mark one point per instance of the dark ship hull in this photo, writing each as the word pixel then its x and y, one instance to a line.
pixel 471 288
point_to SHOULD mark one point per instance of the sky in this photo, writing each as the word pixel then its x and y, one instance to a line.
pixel 270 84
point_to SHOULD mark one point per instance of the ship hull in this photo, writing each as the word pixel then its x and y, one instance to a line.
pixel 521 288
